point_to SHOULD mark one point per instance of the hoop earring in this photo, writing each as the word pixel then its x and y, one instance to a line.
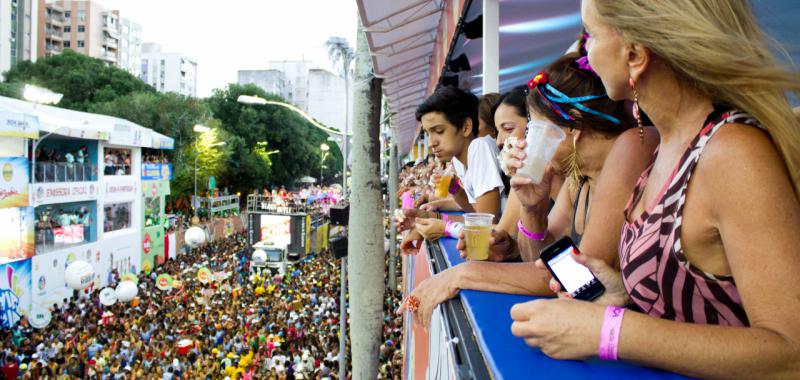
pixel 636 111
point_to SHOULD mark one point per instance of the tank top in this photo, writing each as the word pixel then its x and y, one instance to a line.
pixel 573 234
pixel 656 273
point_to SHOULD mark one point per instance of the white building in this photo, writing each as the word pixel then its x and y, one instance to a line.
pixel 168 72
pixel 130 49
pixel 17 32
pixel 318 92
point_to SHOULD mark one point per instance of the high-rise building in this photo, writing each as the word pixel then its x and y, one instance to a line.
pixel 168 72
pixel 17 32
pixel 89 28
pixel 318 92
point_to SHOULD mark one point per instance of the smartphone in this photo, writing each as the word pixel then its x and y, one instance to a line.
pixel 575 279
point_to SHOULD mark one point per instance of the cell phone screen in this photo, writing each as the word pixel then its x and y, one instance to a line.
pixel 573 276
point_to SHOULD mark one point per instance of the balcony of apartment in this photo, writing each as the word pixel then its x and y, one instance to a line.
pixel 110 43
pixel 54 35
pixel 54 8
pixel 111 30
pixel 109 57
pixel 52 49
pixel 56 20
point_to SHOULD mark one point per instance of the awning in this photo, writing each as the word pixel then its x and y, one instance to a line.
pixel 81 125
pixel 402 38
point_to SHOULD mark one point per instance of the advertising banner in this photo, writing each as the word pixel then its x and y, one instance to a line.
pixel 69 235
pixel 16 239
pixel 120 189
pixel 15 291
pixel 157 172
pixel 120 253
pixel 47 193
pixel 17 124
pixel 152 248
pixel 14 181
pixel 49 286
pixel 276 229
pixel 155 188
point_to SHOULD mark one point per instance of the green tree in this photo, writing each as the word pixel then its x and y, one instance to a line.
pixel 82 79
pixel 264 130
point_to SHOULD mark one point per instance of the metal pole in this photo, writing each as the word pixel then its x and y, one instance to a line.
pixel 194 198
pixel 346 126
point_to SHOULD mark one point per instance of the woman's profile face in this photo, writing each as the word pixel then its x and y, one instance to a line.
pixel 509 123
pixel 607 52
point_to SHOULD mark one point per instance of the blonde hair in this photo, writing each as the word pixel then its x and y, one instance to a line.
pixel 718 47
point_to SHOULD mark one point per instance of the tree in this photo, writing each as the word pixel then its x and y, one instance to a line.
pixel 263 131
pixel 82 79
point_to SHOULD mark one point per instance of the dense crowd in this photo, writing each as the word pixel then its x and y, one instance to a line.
pixel 241 326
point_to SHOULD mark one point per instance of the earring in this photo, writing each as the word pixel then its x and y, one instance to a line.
pixel 636 112
pixel 573 167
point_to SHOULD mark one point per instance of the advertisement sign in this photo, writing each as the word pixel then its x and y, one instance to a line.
pixel 14 181
pixel 204 275
pixel 164 282
pixel 152 247
pixel 155 188
pixel 276 229
pixel 48 284
pixel 15 292
pixel 121 254
pixel 15 124
pixel 69 235
pixel 46 193
pixel 120 189
pixel 16 241
pixel 156 171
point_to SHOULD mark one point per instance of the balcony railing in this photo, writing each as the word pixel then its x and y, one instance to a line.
pixel 117 169
pixel 260 203
pixel 51 238
pixel 48 172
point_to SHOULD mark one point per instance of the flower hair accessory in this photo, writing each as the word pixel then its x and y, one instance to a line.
pixel 541 84
pixel 583 64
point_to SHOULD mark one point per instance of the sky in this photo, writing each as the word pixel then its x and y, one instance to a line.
pixel 231 35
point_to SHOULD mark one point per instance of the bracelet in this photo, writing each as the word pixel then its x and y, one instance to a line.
pixel 445 217
pixel 531 235
pixel 454 186
pixel 609 334
pixel 453 229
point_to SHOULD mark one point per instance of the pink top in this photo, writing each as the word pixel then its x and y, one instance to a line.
pixel 656 273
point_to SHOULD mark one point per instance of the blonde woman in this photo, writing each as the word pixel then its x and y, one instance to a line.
pixel 709 266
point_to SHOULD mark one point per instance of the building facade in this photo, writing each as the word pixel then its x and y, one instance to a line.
pixel 89 28
pixel 18 20
pixel 168 72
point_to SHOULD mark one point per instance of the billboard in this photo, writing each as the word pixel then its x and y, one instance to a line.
pixel 15 291
pixel 276 229
pixel 152 247
pixel 48 284
pixel 16 241
pixel 14 181
pixel 156 171
pixel 16 124
pixel 49 193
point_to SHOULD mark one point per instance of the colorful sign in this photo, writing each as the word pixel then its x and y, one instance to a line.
pixel 152 247
pixel 16 241
pixel 69 235
pixel 156 171
pixel 45 193
pixel 14 181
pixel 50 287
pixel 276 229
pixel 14 124
pixel 204 275
pixel 15 292
pixel 164 282
pixel 155 188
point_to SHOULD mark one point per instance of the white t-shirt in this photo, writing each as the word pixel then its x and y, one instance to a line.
pixel 482 174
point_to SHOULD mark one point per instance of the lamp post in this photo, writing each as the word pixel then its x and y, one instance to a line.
pixel 324 148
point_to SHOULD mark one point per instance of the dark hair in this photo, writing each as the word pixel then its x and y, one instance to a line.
pixel 565 75
pixel 455 104
pixel 486 110
pixel 514 98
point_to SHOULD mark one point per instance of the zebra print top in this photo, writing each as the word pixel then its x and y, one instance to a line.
pixel 656 273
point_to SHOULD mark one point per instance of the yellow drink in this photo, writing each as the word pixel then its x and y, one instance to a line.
pixel 477 238
pixel 443 186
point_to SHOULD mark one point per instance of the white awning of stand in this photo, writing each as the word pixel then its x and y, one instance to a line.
pixel 401 37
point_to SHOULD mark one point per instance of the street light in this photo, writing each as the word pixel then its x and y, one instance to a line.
pixel 201 128
pixel 257 100
pixel 324 148
pixel 40 95
pixel 194 199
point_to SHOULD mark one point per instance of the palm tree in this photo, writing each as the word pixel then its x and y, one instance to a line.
pixel 339 51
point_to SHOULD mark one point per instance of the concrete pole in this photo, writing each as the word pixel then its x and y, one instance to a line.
pixel 392 194
pixel 365 248
pixel 491 46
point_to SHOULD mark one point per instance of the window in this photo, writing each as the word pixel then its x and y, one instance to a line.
pixel 80 43
pixel 66 44
pixel 81 28
pixel 64 225
pixel 67 29
pixel 117 162
pixel 67 14
pixel 81 16
pixel 117 216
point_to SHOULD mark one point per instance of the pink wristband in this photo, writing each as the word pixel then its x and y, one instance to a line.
pixel 609 334
pixel 454 186
pixel 446 218
pixel 530 235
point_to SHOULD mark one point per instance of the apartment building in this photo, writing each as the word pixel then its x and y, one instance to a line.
pixel 168 72
pixel 17 32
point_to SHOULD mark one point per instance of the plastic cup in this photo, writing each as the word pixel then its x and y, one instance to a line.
pixel 542 140
pixel 443 186
pixel 477 232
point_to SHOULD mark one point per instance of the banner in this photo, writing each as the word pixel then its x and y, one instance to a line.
pixel 155 188
pixel 16 240
pixel 15 124
pixel 120 189
pixel 156 171
pixel 15 292
pixel 69 235
pixel 14 181
pixel 276 229
pixel 120 253
pixel 204 275
pixel 152 247
pixel 45 193
pixel 164 282
pixel 48 284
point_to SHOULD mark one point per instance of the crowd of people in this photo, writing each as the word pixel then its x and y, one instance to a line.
pixel 117 161
pixel 64 165
pixel 60 226
pixel 643 107
pixel 241 326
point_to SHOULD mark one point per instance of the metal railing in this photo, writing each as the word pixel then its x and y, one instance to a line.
pixel 49 172
pixel 261 203
pixel 117 169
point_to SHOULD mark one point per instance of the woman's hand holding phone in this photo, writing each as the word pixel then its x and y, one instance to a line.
pixel 615 293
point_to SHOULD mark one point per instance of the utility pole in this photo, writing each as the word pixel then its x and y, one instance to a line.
pixel 365 243
pixel 392 195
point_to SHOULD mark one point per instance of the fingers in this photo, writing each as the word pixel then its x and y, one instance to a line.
pixel 517 181
pixel 540 264
pixel 523 311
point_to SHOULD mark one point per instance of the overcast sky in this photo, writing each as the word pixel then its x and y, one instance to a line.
pixel 231 35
